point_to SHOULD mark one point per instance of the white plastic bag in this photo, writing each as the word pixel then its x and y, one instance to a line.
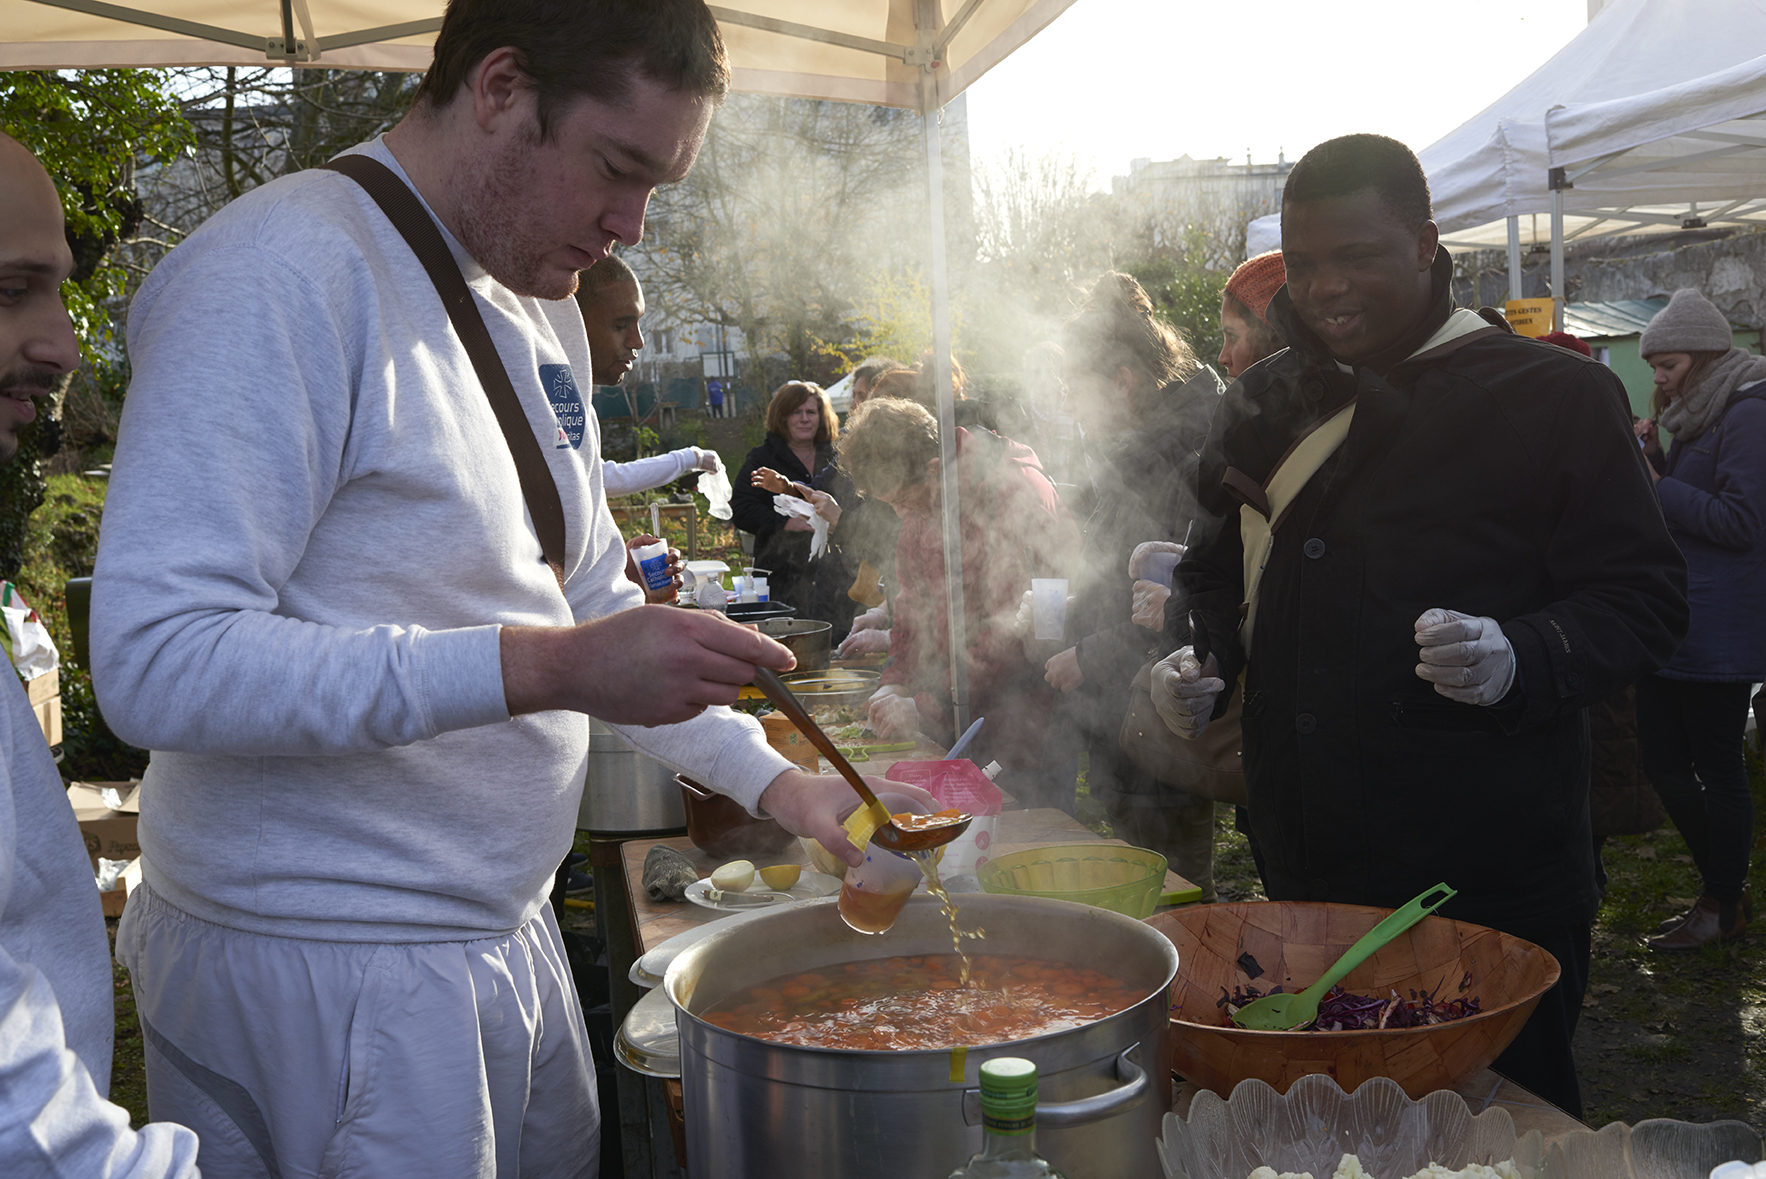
pixel 715 487
pixel 28 644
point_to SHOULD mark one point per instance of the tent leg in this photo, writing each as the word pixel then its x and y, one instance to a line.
pixel 947 431
pixel 1558 298
pixel 1514 258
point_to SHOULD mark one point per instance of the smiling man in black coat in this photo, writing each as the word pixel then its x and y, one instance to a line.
pixel 1478 560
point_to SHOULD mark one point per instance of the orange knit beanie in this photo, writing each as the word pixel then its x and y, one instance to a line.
pixel 1256 281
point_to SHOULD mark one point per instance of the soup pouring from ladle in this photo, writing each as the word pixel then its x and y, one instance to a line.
pixel 929 833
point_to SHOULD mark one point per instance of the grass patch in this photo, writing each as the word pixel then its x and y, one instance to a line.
pixel 1670 1035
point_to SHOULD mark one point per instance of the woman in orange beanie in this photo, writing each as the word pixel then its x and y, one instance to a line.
pixel 1249 337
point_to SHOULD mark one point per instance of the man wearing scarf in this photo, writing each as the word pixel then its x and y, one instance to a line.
pixel 1478 560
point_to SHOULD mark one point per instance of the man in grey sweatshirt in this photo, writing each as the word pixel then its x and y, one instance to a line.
pixel 322 604
pixel 56 1014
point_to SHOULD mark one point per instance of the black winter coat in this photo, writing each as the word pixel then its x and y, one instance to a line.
pixel 1493 475
pixel 785 554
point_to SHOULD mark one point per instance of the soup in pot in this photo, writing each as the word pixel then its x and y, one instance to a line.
pixel 919 1002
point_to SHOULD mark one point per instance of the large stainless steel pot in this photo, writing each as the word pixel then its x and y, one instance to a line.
pixel 756 1108
pixel 624 791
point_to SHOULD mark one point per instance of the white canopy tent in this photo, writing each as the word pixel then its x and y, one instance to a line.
pixel 1649 113
pixel 906 53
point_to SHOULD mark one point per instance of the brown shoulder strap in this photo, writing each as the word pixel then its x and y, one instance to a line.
pixel 408 216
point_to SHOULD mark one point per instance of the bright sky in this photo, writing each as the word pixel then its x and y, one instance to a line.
pixel 1165 78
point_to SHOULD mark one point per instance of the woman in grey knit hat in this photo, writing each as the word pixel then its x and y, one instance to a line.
pixel 1711 399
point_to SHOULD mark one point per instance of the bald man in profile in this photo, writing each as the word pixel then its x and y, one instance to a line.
pixel 612 303
pixel 56 1014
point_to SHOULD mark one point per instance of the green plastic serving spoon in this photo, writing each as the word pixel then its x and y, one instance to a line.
pixel 1283 1013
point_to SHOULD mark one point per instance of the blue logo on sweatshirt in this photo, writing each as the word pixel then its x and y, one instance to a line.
pixel 567 405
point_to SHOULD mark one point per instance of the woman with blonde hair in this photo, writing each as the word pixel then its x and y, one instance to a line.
pixel 801 431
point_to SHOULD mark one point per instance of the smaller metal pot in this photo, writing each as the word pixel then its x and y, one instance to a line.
pixel 809 640
pixel 723 830
pixel 624 791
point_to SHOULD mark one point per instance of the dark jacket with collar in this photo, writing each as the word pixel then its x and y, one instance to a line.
pixel 1713 495
pixel 1492 475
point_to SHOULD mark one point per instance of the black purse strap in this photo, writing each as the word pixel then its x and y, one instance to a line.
pixel 408 216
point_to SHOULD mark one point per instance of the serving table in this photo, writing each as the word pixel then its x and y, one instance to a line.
pixel 650 1110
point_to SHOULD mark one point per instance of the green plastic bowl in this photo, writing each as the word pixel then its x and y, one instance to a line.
pixel 1124 880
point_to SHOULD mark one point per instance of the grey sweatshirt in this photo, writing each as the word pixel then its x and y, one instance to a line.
pixel 55 985
pixel 312 536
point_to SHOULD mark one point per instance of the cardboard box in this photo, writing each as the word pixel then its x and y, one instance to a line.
pixel 45 695
pixel 112 902
pixel 109 833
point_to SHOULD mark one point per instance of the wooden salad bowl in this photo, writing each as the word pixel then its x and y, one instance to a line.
pixel 1294 942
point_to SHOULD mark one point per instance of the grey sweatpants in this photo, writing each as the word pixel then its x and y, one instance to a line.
pixel 294 1059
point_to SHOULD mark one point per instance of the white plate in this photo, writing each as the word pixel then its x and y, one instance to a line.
pixel 700 893
pixel 809 886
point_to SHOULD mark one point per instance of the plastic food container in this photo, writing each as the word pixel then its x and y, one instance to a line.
pixel 1124 880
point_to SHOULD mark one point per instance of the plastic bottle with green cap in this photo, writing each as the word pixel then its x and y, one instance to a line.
pixel 1008 1125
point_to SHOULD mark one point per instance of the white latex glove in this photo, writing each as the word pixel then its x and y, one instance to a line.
pixel 1184 691
pixel 827 507
pixel 707 460
pixel 893 715
pixel 863 642
pixel 1149 604
pixel 1155 560
pixel 1025 621
pixel 876 618
pixel 1467 658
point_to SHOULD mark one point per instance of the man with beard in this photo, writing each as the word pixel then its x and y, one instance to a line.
pixel 56 1015
pixel 1472 557
pixel 612 303
pixel 322 602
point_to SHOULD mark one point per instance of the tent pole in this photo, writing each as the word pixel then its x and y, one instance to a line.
pixel 1514 257
pixel 947 431
pixel 1557 260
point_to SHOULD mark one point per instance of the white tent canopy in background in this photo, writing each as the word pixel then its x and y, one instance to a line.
pixel 1652 67
pixel 907 53
pixel 867 51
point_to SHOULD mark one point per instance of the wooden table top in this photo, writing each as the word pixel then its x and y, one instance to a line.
pixel 657 921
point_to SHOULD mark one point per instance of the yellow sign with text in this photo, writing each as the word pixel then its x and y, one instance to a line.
pixel 1530 317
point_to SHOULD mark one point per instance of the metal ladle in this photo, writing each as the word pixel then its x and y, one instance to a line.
pixel 888 835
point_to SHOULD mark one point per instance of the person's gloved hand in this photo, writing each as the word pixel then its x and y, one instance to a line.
pixel 1063 672
pixel 827 507
pixel 876 618
pixel 1155 560
pixel 893 715
pixel 1184 691
pixel 1467 658
pixel 1149 604
pixel 707 460
pixel 863 642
